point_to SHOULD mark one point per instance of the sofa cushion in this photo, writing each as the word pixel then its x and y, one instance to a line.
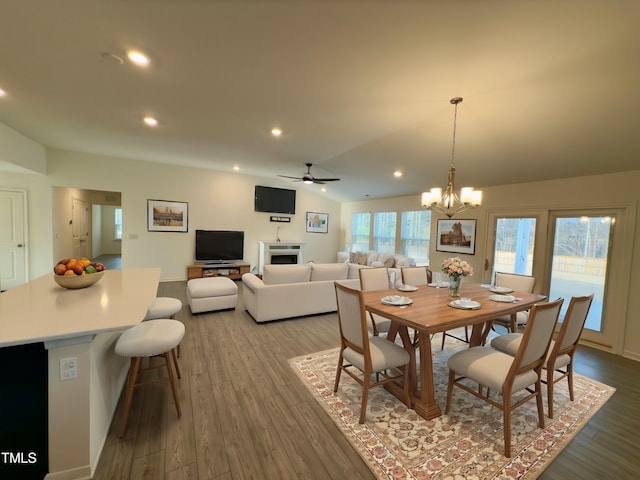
pixel 381 259
pixel 279 274
pixel 329 271
pixel 402 261
pixel 354 270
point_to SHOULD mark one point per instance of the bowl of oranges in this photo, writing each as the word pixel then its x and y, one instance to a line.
pixel 72 273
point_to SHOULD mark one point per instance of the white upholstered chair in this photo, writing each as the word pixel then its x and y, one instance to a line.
pixel 152 338
pixel 519 283
pixel 423 276
pixel 376 278
pixel 368 354
pixel 416 276
pixel 499 371
pixel 560 356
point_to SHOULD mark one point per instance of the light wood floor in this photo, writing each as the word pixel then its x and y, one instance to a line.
pixel 247 416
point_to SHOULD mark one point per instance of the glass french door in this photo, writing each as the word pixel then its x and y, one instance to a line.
pixel 569 252
pixel 580 263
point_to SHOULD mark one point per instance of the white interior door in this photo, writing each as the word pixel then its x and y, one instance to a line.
pixel 80 228
pixel 13 250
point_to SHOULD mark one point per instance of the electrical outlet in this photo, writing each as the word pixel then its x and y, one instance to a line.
pixel 68 368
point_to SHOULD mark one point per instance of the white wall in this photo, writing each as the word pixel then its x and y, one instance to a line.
pixel 217 200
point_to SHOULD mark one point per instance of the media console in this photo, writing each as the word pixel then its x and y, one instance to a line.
pixel 234 270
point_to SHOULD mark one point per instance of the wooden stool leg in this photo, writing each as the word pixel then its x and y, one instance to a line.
pixel 172 380
pixel 175 361
pixel 131 384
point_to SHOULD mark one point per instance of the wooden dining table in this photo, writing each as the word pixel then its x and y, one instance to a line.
pixel 430 313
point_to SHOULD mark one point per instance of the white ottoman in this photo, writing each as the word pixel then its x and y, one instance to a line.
pixel 213 293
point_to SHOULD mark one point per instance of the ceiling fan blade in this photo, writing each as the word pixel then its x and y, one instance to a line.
pixel 287 176
pixel 328 179
pixel 317 180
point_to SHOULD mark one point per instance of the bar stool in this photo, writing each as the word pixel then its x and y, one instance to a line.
pixel 163 307
pixel 149 339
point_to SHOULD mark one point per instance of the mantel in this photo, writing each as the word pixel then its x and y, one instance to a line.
pixel 280 252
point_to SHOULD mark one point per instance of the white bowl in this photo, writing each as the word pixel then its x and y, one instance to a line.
pixel 78 281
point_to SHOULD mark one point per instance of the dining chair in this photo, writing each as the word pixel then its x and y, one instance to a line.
pixel 519 283
pixel 562 349
pixel 416 276
pixel 376 278
pixel 499 371
pixel 368 354
pixel 423 276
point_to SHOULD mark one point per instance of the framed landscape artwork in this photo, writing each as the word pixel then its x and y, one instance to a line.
pixel 457 236
pixel 166 216
pixel 317 222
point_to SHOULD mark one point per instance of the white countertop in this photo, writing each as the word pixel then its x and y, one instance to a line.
pixel 41 310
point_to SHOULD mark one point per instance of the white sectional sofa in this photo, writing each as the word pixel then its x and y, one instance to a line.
pixel 376 259
pixel 287 291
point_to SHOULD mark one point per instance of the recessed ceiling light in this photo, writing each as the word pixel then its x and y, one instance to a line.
pixel 152 122
pixel 138 58
pixel 324 189
pixel 397 173
pixel 276 132
pixel 236 167
pixel 2 93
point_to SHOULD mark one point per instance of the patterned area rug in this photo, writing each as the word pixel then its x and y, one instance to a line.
pixel 468 443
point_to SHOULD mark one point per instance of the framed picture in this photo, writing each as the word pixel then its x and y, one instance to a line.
pixel 165 216
pixel 317 222
pixel 457 236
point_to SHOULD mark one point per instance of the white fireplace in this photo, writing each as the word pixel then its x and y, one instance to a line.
pixel 280 253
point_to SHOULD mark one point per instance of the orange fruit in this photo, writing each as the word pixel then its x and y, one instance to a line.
pixel 85 262
pixel 71 264
pixel 69 273
pixel 60 269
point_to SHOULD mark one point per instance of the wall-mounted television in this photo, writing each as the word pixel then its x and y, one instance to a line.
pixel 275 200
pixel 219 246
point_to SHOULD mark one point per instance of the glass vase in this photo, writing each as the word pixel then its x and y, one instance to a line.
pixel 454 285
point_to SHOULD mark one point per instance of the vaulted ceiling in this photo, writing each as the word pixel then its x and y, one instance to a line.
pixel 360 88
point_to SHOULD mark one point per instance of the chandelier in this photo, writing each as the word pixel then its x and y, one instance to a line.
pixel 449 203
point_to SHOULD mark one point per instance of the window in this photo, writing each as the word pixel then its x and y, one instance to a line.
pixel 416 235
pixel 360 232
pixel 384 232
pixel 514 242
pixel 118 223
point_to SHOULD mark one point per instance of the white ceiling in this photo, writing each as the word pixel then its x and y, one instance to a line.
pixel 551 87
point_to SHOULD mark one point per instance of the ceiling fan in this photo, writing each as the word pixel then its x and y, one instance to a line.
pixel 309 179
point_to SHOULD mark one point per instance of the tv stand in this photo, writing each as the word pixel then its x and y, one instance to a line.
pixel 234 270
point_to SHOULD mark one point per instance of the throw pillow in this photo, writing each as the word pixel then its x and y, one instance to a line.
pixel 361 258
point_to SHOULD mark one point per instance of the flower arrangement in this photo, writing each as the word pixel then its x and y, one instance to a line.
pixel 455 267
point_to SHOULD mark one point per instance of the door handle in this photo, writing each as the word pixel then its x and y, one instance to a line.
pixel 20 245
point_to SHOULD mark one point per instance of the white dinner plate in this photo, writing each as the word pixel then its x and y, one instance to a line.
pixel 468 305
pixel 396 300
pixel 440 284
pixel 501 289
pixel 502 298
pixel 407 288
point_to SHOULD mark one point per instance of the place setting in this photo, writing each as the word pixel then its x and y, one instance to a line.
pixel 407 288
pixel 396 300
pixel 504 298
pixel 465 303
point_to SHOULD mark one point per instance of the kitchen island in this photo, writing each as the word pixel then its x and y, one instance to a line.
pixel 78 329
